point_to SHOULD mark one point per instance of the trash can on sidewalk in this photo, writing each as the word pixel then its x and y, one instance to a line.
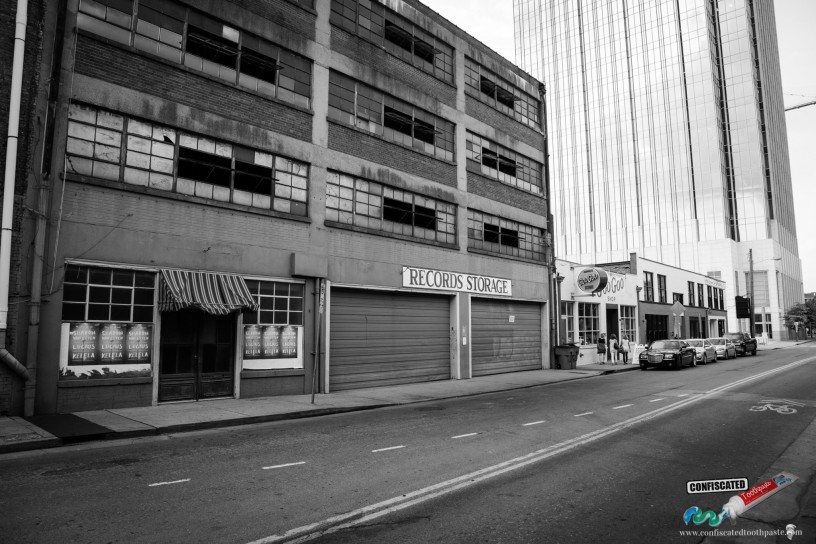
pixel 566 356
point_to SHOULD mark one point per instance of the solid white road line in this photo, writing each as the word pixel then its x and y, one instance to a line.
pixel 624 406
pixel 168 483
pixel 386 449
pixel 532 423
pixel 285 465
pixel 655 400
pixel 464 435
pixel 377 510
pixel 584 414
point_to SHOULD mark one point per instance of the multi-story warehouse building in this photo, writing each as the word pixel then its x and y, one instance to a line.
pixel 667 138
pixel 253 198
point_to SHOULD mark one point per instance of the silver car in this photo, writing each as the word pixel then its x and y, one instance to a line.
pixel 724 347
pixel 704 349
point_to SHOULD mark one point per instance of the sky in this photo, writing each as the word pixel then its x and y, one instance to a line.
pixel 491 22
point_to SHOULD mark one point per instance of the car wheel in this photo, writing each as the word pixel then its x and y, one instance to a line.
pixel 643 366
pixel 693 360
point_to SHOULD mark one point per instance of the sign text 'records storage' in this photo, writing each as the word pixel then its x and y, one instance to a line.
pixel 423 278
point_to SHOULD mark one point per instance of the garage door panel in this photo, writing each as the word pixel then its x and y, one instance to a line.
pixel 499 346
pixel 387 338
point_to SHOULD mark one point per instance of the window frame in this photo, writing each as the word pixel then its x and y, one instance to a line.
pixel 358 202
pixel 530 240
pixel 155 35
pixel 526 107
pixel 527 172
pixel 648 286
pixel 152 155
pixel 661 289
pixel 70 289
pixel 589 335
pixel 352 102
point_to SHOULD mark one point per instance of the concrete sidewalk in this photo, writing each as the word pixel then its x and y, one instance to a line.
pixel 18 434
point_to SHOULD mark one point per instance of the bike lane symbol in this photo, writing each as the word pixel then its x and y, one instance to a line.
pixel 781 406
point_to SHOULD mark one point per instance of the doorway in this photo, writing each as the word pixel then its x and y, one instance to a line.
pixel 612 323
pixel 196 356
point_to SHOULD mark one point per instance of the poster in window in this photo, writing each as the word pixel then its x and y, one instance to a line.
pixel 270 346
pixel 288 344
pixel 137 346
pixel 105 350
pixel 252 342
pixel 111 344
pixel 83 341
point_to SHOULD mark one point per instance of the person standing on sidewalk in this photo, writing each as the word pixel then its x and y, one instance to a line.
pixel 613 347
pixel 623 347
pixel 601 349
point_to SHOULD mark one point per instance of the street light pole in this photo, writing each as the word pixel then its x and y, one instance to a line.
pixel 751 290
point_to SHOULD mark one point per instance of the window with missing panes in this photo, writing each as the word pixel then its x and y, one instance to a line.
pixel 375 23
pixel 366 108
pixel 110 146
pixel 509 167
pixel 502 236
pixel 487 87
pixel 91 293
pixel 368 204
pixel 203 43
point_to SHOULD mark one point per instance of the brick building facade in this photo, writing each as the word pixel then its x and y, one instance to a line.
pixel 261 197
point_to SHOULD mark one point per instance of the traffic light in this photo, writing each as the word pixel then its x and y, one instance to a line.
pixel 743 307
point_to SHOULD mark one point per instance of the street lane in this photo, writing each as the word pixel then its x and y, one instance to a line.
pixel 224 494
pixel 629 487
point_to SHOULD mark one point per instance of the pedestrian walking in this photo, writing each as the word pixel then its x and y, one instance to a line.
pixel 602 348
pixel 623 347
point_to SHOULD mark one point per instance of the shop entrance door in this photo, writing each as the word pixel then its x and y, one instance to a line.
pixel 197 360
pixel 612 322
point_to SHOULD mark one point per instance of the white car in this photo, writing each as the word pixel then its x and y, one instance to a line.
pixel 724 347
pixel 704 349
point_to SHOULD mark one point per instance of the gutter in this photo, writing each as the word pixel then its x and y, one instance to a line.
pixel 8 184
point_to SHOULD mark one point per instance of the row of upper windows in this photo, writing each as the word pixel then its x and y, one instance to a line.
pixel 106 145
pixel 183 35
pixel 716 300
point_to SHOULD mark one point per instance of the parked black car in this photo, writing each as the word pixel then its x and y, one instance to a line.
pixel 744 342
pixel 668 353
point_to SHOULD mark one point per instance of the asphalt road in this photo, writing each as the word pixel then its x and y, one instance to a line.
pixel 605 459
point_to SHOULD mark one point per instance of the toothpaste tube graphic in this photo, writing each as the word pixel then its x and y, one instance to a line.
pixel 746 500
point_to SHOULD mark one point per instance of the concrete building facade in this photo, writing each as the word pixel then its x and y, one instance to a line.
pixel 278 197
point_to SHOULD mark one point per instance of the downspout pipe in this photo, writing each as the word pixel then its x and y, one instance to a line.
pixel 8 183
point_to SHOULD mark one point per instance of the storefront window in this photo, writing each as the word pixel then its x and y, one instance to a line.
pixel 107 327
pixel 273 334
pixel 628 323
pixel 589 323
pixel 567 322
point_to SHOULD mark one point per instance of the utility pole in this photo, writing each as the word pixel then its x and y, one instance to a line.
pixel 751 289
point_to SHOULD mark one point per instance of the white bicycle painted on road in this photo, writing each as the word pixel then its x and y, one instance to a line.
pixel 779 406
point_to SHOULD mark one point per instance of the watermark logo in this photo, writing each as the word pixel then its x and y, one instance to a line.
pixel 790 530
pixel 699 516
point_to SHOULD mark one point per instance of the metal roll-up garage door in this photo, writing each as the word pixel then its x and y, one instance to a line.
pixel 500 345
pixel 382 338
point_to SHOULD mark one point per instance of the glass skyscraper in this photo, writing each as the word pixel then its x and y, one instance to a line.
pixel 667 138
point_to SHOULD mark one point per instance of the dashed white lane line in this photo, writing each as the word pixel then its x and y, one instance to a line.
pixel 584 414
pixel 532 423
pixel 624 406
pixel 464 435
pixel 169 483
pixel 655 400
pixel 386 449
pixel 285 465
pixel 683 395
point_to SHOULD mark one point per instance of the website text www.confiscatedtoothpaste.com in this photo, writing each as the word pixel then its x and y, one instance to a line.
pixel 738 532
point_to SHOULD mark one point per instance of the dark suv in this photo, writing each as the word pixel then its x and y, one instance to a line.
pixel 744 343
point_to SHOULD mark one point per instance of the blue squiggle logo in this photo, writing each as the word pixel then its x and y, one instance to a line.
pixel 699 516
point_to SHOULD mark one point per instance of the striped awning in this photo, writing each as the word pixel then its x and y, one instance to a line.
pixel 213 293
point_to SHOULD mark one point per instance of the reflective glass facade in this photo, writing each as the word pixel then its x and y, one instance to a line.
pixel 666 130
